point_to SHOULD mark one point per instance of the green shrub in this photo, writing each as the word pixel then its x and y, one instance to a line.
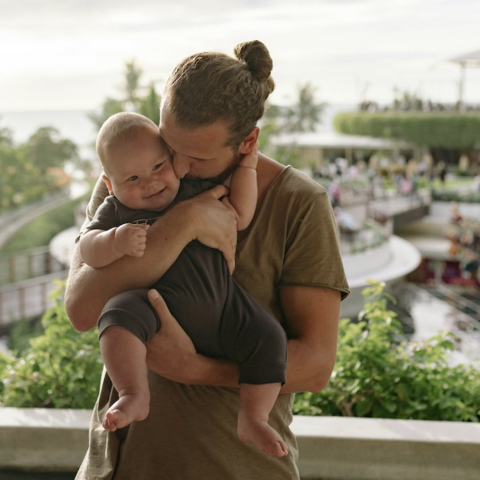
pixel 27 168
pixel 447 130
pixel 4 361
pixel 456 196
pixel 61 369
pixel 21 333
pixel 378 375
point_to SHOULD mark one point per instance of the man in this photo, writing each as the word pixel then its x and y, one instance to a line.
pixel 288 259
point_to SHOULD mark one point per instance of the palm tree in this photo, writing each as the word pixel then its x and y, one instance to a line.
pixel 150 105
pixel 132 82
pixel 132 101
pixel 306 113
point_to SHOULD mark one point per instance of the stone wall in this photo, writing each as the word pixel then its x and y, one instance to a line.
pixel 331 448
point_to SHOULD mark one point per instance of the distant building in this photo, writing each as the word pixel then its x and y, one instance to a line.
pixel 316 147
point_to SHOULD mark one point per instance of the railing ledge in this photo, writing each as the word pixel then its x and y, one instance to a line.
pixel 330 447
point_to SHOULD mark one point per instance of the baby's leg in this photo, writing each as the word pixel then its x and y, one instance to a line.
pixel 126 323
pixel 256 402
pixel 125 360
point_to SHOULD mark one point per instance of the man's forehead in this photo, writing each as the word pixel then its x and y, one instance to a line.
pixel 202 144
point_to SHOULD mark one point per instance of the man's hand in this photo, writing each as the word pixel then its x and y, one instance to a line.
pixel 171 352
pixel 131 239
pixel 214 224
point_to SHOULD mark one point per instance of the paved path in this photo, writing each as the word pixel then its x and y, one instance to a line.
pixel 11 222
pixel 29 298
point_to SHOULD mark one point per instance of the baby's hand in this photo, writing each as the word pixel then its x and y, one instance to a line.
pixel 131 239
pixel 250 160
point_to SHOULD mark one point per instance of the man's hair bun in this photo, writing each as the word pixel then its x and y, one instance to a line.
pixel 257 58
pixel 210 86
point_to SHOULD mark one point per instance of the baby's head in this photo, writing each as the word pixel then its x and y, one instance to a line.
pixel 136 163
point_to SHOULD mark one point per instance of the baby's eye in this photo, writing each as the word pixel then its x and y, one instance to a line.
pixel 156 167
pixel 132 178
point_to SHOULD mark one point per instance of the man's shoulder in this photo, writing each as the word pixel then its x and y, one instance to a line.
pixel 294 182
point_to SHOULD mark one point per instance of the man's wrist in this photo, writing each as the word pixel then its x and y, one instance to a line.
pixel 215 372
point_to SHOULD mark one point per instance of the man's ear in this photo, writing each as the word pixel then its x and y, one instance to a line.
pixel 250 141
pixel 109 184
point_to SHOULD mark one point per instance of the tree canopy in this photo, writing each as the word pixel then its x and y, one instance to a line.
pixel 302 116
pixel 134 97
pixel 28 169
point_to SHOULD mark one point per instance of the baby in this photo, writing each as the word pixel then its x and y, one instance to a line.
pixel 220 317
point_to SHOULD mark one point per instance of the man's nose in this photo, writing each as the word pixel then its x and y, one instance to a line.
pixel 181 165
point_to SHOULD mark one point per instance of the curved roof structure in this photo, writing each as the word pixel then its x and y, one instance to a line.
pixel 468 59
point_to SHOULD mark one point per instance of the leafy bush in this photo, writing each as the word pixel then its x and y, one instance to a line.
pixel 61 369
pixel 378 375
pixel 21 333
pixel 28 170
pixel 456 196
pixel 447 130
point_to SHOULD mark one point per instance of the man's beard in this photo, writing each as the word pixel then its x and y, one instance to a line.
pixel 223 176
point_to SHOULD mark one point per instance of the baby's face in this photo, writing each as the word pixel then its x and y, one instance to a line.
pixel 140 174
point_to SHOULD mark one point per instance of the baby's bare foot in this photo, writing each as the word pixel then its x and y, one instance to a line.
pixel 261 434
pixel 127 409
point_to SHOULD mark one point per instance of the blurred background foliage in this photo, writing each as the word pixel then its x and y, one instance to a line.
pixel 377 374
pixel 134 97
pixel 61 368
pixel 433 129
pixel 33 169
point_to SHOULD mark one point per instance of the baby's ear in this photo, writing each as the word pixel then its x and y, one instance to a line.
pixel 108 184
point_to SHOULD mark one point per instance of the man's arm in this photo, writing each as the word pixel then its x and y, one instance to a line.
pixel 312 316
pixel 203 218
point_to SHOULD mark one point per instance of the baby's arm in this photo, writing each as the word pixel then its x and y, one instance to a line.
pixel 243 189
pixel 102 247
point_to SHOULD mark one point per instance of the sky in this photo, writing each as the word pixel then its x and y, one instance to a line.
pixel 70 54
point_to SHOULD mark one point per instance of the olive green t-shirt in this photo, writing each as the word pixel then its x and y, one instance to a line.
pixel 190 432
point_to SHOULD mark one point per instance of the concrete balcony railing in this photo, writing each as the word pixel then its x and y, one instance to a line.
pixel 334 448
pixel 370 235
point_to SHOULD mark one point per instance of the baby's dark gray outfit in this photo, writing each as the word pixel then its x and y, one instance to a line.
pixel 219 316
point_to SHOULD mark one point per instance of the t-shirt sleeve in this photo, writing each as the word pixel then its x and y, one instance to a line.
pixel 105 217
pixel 312 253
pixel 100 192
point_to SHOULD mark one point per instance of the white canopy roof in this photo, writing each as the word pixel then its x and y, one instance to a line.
pixel 332 140
pixel 469 59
